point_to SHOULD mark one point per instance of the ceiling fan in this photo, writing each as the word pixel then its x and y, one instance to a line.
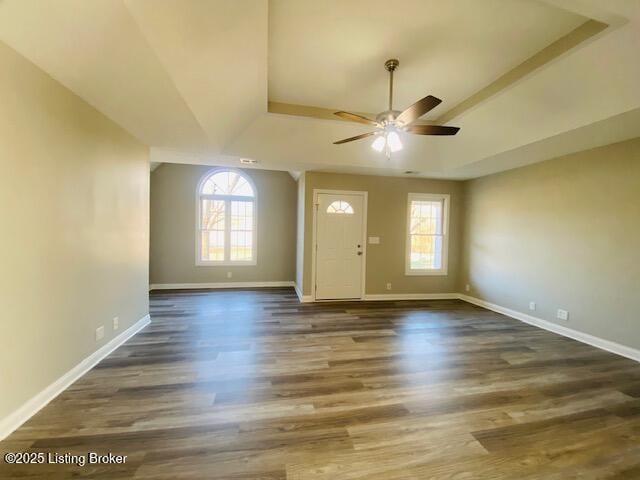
pixel 390 122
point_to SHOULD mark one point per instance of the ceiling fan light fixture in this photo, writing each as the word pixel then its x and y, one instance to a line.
pixel 379 143
pixel 393 141
pixel 388 123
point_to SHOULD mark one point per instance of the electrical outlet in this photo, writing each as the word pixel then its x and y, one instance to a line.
pixel 532 305
pixel 388 286
pixel 229 274
pixel 99 333
pixel 563 314
pixel 467 288
pixel 116 323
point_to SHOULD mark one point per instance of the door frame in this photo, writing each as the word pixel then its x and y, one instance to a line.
pixel 314 245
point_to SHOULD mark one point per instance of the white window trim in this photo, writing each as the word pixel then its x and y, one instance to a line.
pixel 445 235
pixel 227 199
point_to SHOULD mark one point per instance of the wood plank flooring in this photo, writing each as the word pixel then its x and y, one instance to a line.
pixel 250 384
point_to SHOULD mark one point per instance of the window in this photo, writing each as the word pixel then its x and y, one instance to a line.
pixel 427 234
pixel 341 207
pixel 226 224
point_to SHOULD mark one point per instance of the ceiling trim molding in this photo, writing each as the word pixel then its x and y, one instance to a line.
pixel 309 111
pixel 319 113
pixel 579 35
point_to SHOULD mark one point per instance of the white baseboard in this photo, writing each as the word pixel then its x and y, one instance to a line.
pixel 14 420
pixel 592 340
pixel 411 296
pixel 384 296
pixel 301 297
pixel 193 286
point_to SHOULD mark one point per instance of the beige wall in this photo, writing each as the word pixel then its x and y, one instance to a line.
pixel 386 218
pixel 173 224
pixel 564 233
pixel 74 193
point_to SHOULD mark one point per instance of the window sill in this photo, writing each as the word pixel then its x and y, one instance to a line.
pixel 226 264
pixel 426 273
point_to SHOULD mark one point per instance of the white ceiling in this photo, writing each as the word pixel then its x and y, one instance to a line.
pixel 192 78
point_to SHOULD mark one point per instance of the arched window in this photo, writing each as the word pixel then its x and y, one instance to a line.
pixel 340 206
pixel 226 219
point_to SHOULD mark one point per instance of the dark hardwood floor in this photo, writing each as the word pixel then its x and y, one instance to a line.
pixel 253 385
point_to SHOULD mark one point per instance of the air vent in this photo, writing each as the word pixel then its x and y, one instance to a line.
pixel 248 161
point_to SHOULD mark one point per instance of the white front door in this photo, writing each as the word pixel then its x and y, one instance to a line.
pixel 339 245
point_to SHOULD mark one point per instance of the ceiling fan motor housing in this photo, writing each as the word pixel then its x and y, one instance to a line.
pixel 388 116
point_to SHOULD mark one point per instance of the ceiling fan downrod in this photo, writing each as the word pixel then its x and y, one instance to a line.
pixel 391 65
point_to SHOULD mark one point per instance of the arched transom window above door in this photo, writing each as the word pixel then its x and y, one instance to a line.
pixel 340 206
pixel 226 231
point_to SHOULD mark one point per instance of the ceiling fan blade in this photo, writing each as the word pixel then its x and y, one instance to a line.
pixel 432 130
pixel 355 118
pixel 357 137
pixel 418 109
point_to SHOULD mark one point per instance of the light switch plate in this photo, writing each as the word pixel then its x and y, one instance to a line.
pixel 374 240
